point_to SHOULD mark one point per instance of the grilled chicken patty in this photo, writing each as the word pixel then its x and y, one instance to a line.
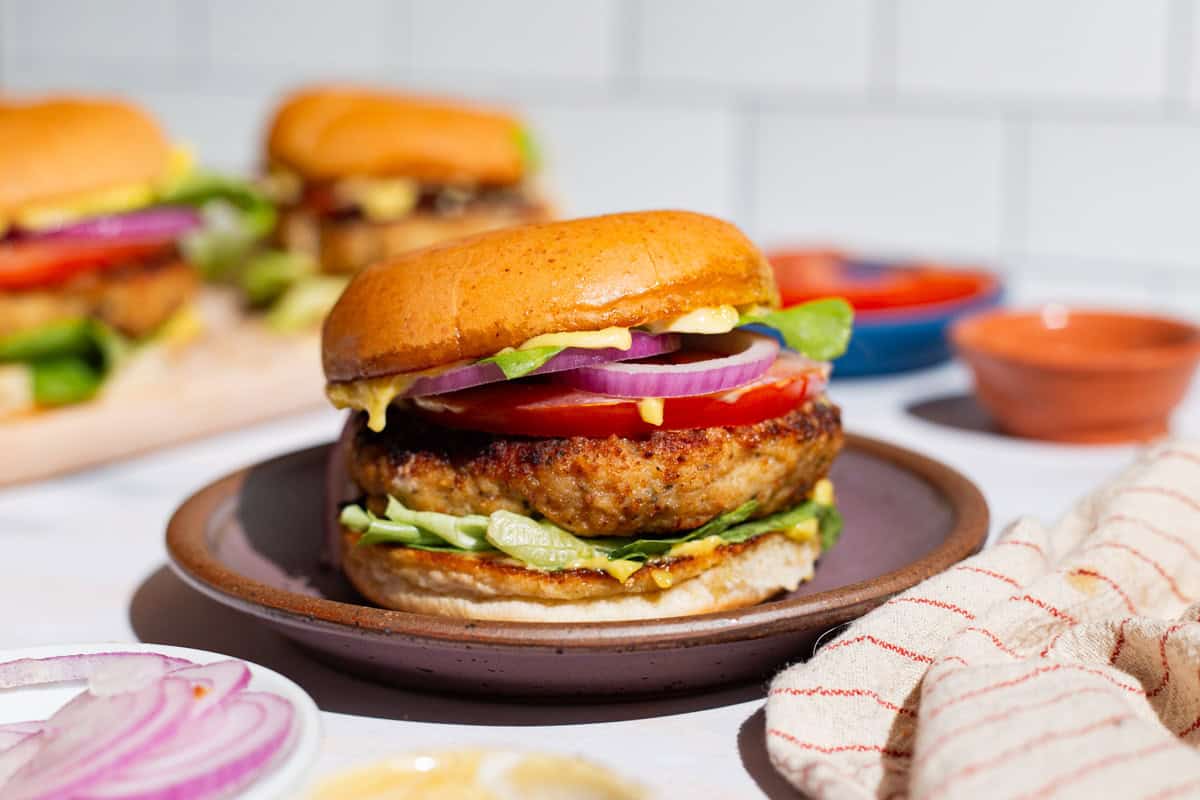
pixel 669 481
pixel 135 299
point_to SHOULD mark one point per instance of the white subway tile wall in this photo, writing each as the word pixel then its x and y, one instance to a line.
pixel 1058 139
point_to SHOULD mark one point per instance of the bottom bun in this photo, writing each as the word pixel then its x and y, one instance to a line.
pixel 776 564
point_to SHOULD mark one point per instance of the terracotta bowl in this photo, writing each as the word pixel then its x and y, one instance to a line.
pixel 1075 375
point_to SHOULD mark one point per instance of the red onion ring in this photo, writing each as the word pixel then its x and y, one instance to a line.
pixel 191 733
pixel 242 735
pixel 14 732
pixel 14 757
pixel 94 735
pixel 644 345
pixel 212 683
pixel 753 357
pixel 25 672
pixel 161 222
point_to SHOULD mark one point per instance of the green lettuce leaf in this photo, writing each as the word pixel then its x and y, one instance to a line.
pixel 270 273
pixel 819 329
pixel 64 380
pixel 775 522
pixel 543 545
pixel 831 527
pixel 200 188
pixel 63 338
pixel 530 153
pixel 68 359
pixel 236 217
pixel 384 531
pixel 519 363
pixel 464 533
pixel 642 549
pixel 306 302
pixel 539 544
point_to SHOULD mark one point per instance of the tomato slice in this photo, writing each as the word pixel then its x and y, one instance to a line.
pixel 529 408
pixel 30 263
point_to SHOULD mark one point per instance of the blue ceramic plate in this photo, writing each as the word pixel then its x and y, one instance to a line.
pixel 902 310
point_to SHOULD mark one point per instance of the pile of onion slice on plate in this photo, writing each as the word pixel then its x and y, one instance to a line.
pixel 148 726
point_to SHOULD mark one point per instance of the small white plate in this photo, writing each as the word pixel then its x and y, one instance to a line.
pixel 285 780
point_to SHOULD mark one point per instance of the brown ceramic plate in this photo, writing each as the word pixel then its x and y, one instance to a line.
pixel 253 541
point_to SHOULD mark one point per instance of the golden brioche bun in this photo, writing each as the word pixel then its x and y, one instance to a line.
pixel 59 147
pixel 456 587
pixel 473 297
pixel 325 133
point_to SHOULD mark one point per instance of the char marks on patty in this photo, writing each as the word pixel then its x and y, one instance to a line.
pixel 664 483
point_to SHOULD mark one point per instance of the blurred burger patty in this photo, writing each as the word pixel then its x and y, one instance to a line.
pixel 134 298
pixel 669 481
pixel 345 243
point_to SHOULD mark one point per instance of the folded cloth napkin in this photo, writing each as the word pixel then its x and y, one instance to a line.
pixel 1060 662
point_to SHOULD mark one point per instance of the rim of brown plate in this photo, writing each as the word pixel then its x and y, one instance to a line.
pixel 189 554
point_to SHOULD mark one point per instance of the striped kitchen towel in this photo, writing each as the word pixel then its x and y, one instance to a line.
pixel 1061 662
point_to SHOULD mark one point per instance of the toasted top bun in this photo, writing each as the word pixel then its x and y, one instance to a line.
pixel 473 297
pixel 328 133
pixel 57 148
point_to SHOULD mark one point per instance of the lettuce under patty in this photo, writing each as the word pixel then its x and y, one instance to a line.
pixel 539 544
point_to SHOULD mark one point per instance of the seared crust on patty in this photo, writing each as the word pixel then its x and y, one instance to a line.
pixel 742 575
pixel 669 481
pixel 135 298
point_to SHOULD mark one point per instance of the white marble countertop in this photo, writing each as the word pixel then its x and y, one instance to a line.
pixel 82 559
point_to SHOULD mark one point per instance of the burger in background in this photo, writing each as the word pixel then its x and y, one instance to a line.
pixel 568 422
pixel 360 175
pixel 99 214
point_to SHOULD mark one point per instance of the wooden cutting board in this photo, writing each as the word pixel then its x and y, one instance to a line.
pixel 236 374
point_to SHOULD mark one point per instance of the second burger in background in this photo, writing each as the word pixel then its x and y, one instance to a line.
pixel 361 175
pixel 99 217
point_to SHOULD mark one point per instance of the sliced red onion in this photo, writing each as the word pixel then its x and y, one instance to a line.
pixel 25 672
pixel 221 752
pixel 193 733
pixel 644 345
pixel 161 222
pixel 94 735
pixel 753 357
pixel 213 683
pixel 15 756
pixel 14 732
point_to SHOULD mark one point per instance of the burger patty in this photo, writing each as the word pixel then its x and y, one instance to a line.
pixel 345 246
pixel 669 481
pixel 135 299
